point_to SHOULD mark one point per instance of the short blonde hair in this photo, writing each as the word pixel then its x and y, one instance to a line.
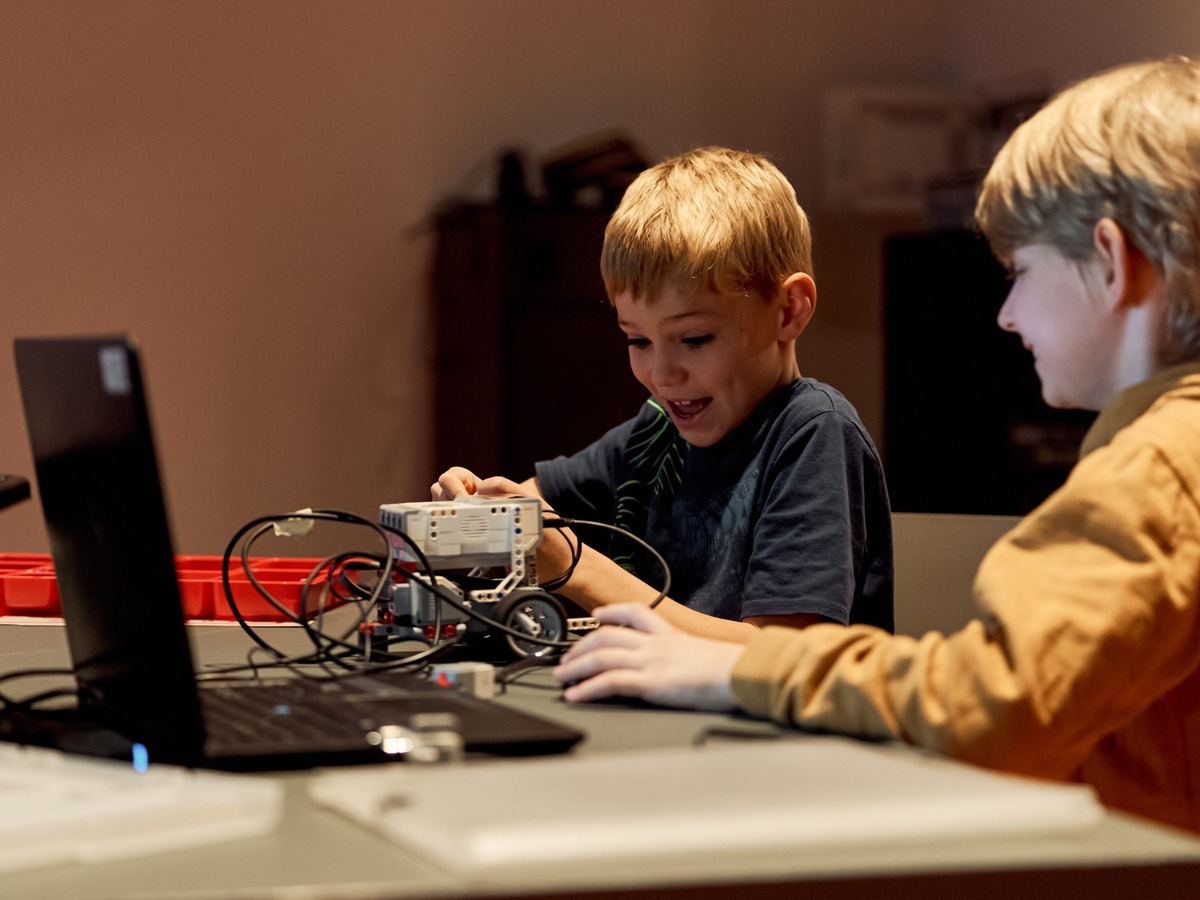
pixel 1125 145
pixel 710 219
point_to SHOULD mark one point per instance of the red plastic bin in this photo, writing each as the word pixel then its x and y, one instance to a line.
pixel 28 586
pixel 199 580
pixel 283 578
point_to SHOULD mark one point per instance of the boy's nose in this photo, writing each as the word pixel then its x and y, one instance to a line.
pixel 666 371
pixel 1004 318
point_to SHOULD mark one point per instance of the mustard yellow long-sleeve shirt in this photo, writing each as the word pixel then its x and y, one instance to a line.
pixel 1084 662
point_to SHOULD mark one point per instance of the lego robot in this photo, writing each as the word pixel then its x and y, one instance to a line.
pixel 482 555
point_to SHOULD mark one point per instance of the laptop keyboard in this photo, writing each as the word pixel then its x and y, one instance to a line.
pixel 320 717
pixel 235 715
pixel 306 710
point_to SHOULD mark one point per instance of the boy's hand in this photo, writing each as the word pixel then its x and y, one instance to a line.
pixel 454 482
pixel 554 552
pixel 649 659
pixel 458 482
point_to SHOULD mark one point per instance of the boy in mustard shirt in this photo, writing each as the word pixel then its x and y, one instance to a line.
pixel 1084 663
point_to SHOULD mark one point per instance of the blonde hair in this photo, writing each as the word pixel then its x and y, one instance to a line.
pixel 1124 145
pixel 710 219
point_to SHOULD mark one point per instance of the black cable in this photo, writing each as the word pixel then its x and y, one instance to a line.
pixel 514 670
pixel 464 607
pixel 35 673
pixel 27 703
pixel 577 552
pixel 320 640
pixel 558 522
pixel 336 650
pixel 468 610
pixel 10 706
pixel 263 523
pixel 316 634
pixel 323 642
pixel 738 734
pixel 567 522
pixel 576 547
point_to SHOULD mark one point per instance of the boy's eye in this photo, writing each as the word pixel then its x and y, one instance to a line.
pixel 638 342
pixel 697 341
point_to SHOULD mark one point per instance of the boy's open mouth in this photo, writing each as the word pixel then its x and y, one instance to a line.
pixel 687 409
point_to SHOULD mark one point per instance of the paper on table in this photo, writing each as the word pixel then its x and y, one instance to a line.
pixel 788 795
pixel 60 808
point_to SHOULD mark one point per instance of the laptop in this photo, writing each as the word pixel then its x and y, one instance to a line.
pixel 98 479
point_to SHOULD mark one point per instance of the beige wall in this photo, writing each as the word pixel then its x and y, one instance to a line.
pixel 994 42
pixel 936 559
pixel 246 187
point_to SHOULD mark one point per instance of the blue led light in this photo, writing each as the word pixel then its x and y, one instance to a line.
pixel 281 709
pixel 141 758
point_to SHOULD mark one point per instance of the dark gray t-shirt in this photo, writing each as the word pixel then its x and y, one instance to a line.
pixel 787 514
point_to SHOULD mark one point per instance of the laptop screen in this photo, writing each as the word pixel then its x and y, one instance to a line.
pixel 106 519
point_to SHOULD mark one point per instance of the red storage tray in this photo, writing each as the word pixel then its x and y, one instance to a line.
pixel 28 586
pixel 199 580
pixel 283 578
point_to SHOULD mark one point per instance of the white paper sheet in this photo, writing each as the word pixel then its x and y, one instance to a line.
pixel 787 795
pixel 60 808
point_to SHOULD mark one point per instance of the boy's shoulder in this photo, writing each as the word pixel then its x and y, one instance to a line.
pixel 1169 429
pixel 1174 418
pixel 809 397
pixel 808 406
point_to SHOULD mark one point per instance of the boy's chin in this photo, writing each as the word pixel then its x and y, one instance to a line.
pixel 1057 400
pixel 699 440
pixel 705 437
pixel 702 437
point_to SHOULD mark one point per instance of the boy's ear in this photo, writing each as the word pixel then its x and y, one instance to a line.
pixel 800 301
pixel 1126 276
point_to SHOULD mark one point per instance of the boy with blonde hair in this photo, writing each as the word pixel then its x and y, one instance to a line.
pixel 760 487
pixel 1084 663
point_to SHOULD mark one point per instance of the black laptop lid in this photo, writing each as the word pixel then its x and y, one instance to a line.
pixel 102 500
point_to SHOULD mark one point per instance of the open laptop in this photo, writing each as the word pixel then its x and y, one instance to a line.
pixel 102 498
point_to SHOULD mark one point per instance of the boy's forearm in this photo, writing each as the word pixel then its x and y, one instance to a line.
pixel 703 625
pixel 531 488
pixel 597 581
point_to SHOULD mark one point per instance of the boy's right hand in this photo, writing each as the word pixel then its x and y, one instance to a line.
pixel 458 482
pixel 454 482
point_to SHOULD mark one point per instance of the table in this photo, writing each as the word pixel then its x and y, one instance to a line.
pixel 318 854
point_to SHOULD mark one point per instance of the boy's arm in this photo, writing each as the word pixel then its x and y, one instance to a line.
pixel 1088 616
pixel 598 581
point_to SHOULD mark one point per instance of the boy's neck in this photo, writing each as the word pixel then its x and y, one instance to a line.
pixel 1128 404
pixel 791 368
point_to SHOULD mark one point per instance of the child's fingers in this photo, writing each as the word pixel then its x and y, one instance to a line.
pixel 633 623
pixel 599 659
pixel 632 615
pixel 454 482
pixel 498 484
pixel 601 638
pixel 613 683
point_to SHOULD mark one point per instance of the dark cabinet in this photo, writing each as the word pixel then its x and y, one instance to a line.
pixel 530 362
pixel 965 427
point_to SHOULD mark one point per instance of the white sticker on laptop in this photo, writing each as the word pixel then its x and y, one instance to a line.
pixel 114 370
